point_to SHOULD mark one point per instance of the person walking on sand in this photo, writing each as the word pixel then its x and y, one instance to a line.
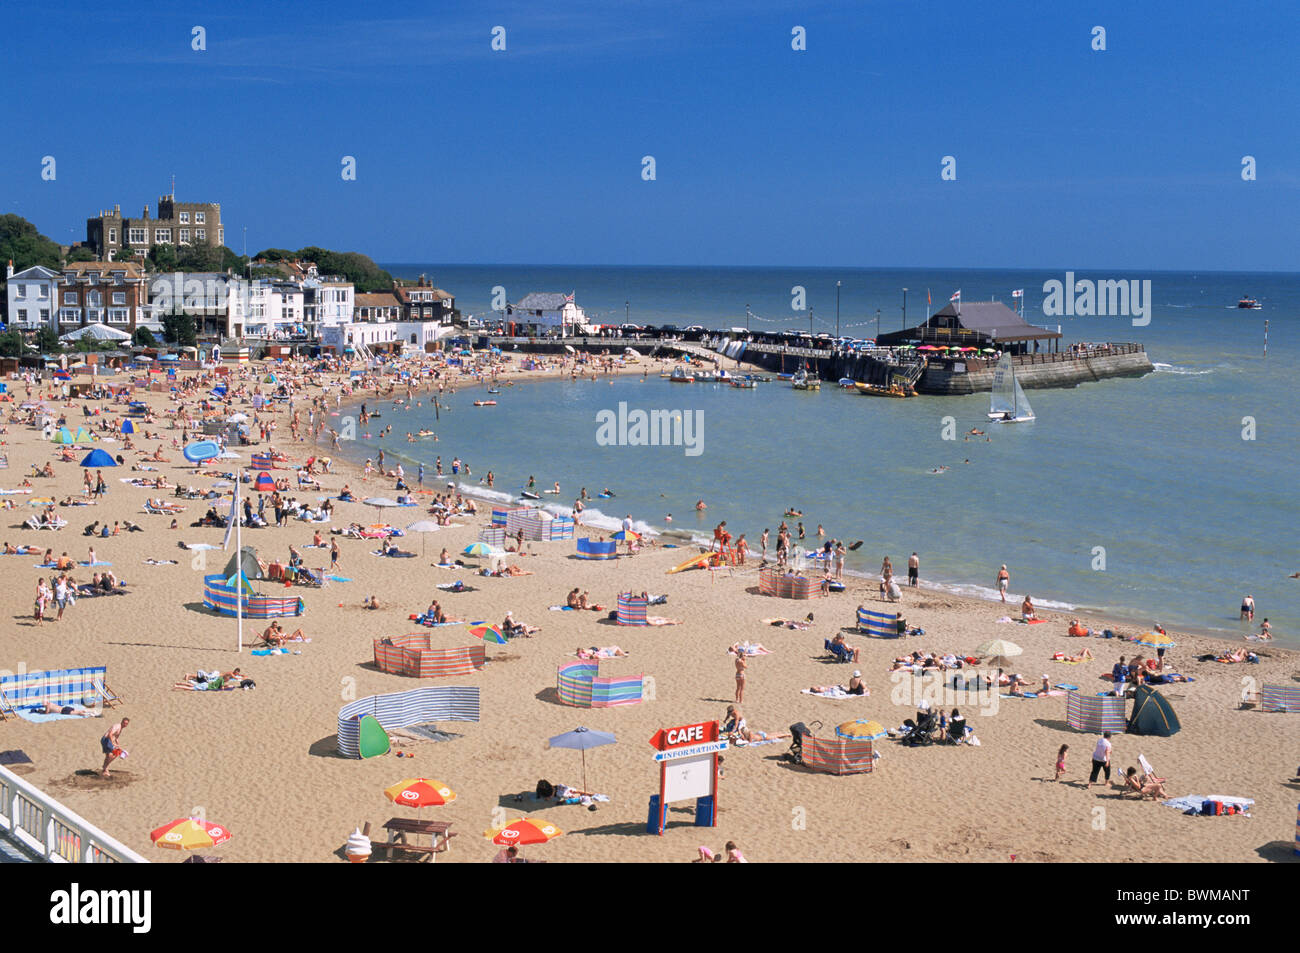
pixel 763 543
pixel 334 554
pixel 109 744
pixel 1101 759
pixel 1060 762
pixel 741 665
pixel 913 570
pixel 1004 580
pixel 840 553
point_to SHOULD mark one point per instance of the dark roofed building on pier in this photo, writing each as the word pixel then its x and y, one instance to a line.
pixel 976 324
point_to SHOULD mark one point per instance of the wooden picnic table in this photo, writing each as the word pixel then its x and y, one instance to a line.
pixel 438 832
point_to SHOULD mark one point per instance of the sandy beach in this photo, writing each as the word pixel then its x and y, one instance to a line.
pixel 264 762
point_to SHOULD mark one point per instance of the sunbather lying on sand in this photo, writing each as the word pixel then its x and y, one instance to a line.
pixel 275 635
pixel 790 623
pixel 80 711
pixel 608 651
pixel 1085 655
pixel 748 648
pixel 209 681
pixel 513 629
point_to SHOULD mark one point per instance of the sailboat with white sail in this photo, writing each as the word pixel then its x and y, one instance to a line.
pixel 1008 405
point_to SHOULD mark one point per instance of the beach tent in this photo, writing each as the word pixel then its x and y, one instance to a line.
pixel 127 427
pixel 1152 714
pixel 245 560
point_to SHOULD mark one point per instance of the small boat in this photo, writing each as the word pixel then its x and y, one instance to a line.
pixel 743 383
pixel 485 403
pixel 1249 303
pixel 802 381
pixel 705 377
pixel 679 376
pixel 494 390
pixel 757 378
pixel 878 390
pixel 528 495
pixel 425 433
pixel 848 383
pixel 1008 405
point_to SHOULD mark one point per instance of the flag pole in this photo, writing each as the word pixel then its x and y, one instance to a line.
pixel 239 570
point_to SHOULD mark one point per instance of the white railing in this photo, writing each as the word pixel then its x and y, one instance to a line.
pixel 53 832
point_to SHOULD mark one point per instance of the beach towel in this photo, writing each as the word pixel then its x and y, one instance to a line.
pixel 97 562
pixel 393 554
pixel 338 578
pixel 1068 688
pixel 451 587
pixel 1025 695
pixel 1032 621
pixel 1192 803
pixel 839 696
pixel 14 756
pixel 660 620
pixel 751 650
pixel 275 651
pixel 30 714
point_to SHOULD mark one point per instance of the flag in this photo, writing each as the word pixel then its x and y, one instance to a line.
pixel 1018 293
pixel 569 297
pixel 956 296
pixel 928 302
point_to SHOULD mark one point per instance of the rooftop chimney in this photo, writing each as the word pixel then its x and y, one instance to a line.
pixel 117 210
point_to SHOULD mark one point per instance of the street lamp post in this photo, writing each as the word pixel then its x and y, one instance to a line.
pixel 877 327
pixel 746 319
pixel 810 322
pixel 904 309
pixel 837 309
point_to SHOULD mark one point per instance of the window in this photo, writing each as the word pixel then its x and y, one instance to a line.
pixel 95 314
pixel 69 316
pixel 201 234
pixel 20 290
pixel 94 299
pixel 112 236
pixel 45 315
pixel 119 297
pixel 42 292
pixel 69 297
pixel 138 236
pixel 162 236
pixel 221 236
pixel 185 218
pixel 185 236
pixel 200 218
pixel 117 316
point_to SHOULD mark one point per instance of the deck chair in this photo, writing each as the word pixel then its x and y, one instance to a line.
pixel 841 653
pixel 111 698
pixel 1148 772
pixel 310 577
pixel 6 706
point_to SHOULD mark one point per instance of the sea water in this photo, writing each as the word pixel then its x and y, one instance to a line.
pixel 1163 498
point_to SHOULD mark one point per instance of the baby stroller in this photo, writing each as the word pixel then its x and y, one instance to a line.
pixel 797 732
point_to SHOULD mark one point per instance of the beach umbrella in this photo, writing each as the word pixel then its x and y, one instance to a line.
pixel 98 458
pixel 422 527
pixel 488 633
pixel 189 833
pixel 625 534
pixel 1156 640
pixel 523 831
pixel 999 651
pixel 481 549
pixel 128 427
pixel 419 792
pixel 264 483
pixel 379 502
pixel 582 738
pixel 862 728
pixel 237 418
pixel 569 348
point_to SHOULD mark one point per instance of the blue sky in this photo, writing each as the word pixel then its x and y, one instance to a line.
pixel 1066 158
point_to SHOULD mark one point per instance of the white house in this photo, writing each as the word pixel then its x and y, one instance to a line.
pixel 549 310
pixel 32 293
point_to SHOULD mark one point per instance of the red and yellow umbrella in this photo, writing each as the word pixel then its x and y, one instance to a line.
pixel 419 792
pixel 189 833
pixel 525 830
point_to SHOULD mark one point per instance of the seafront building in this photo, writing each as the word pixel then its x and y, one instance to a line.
pixel 31 296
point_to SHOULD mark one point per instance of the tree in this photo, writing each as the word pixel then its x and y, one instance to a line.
pixel 231 261
pixel 143 337
pixel 198 258
pixel 46 340
pixel 162 258
pixel 11 344
pixel 20 241
pixel 81 253
pixel 179 329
